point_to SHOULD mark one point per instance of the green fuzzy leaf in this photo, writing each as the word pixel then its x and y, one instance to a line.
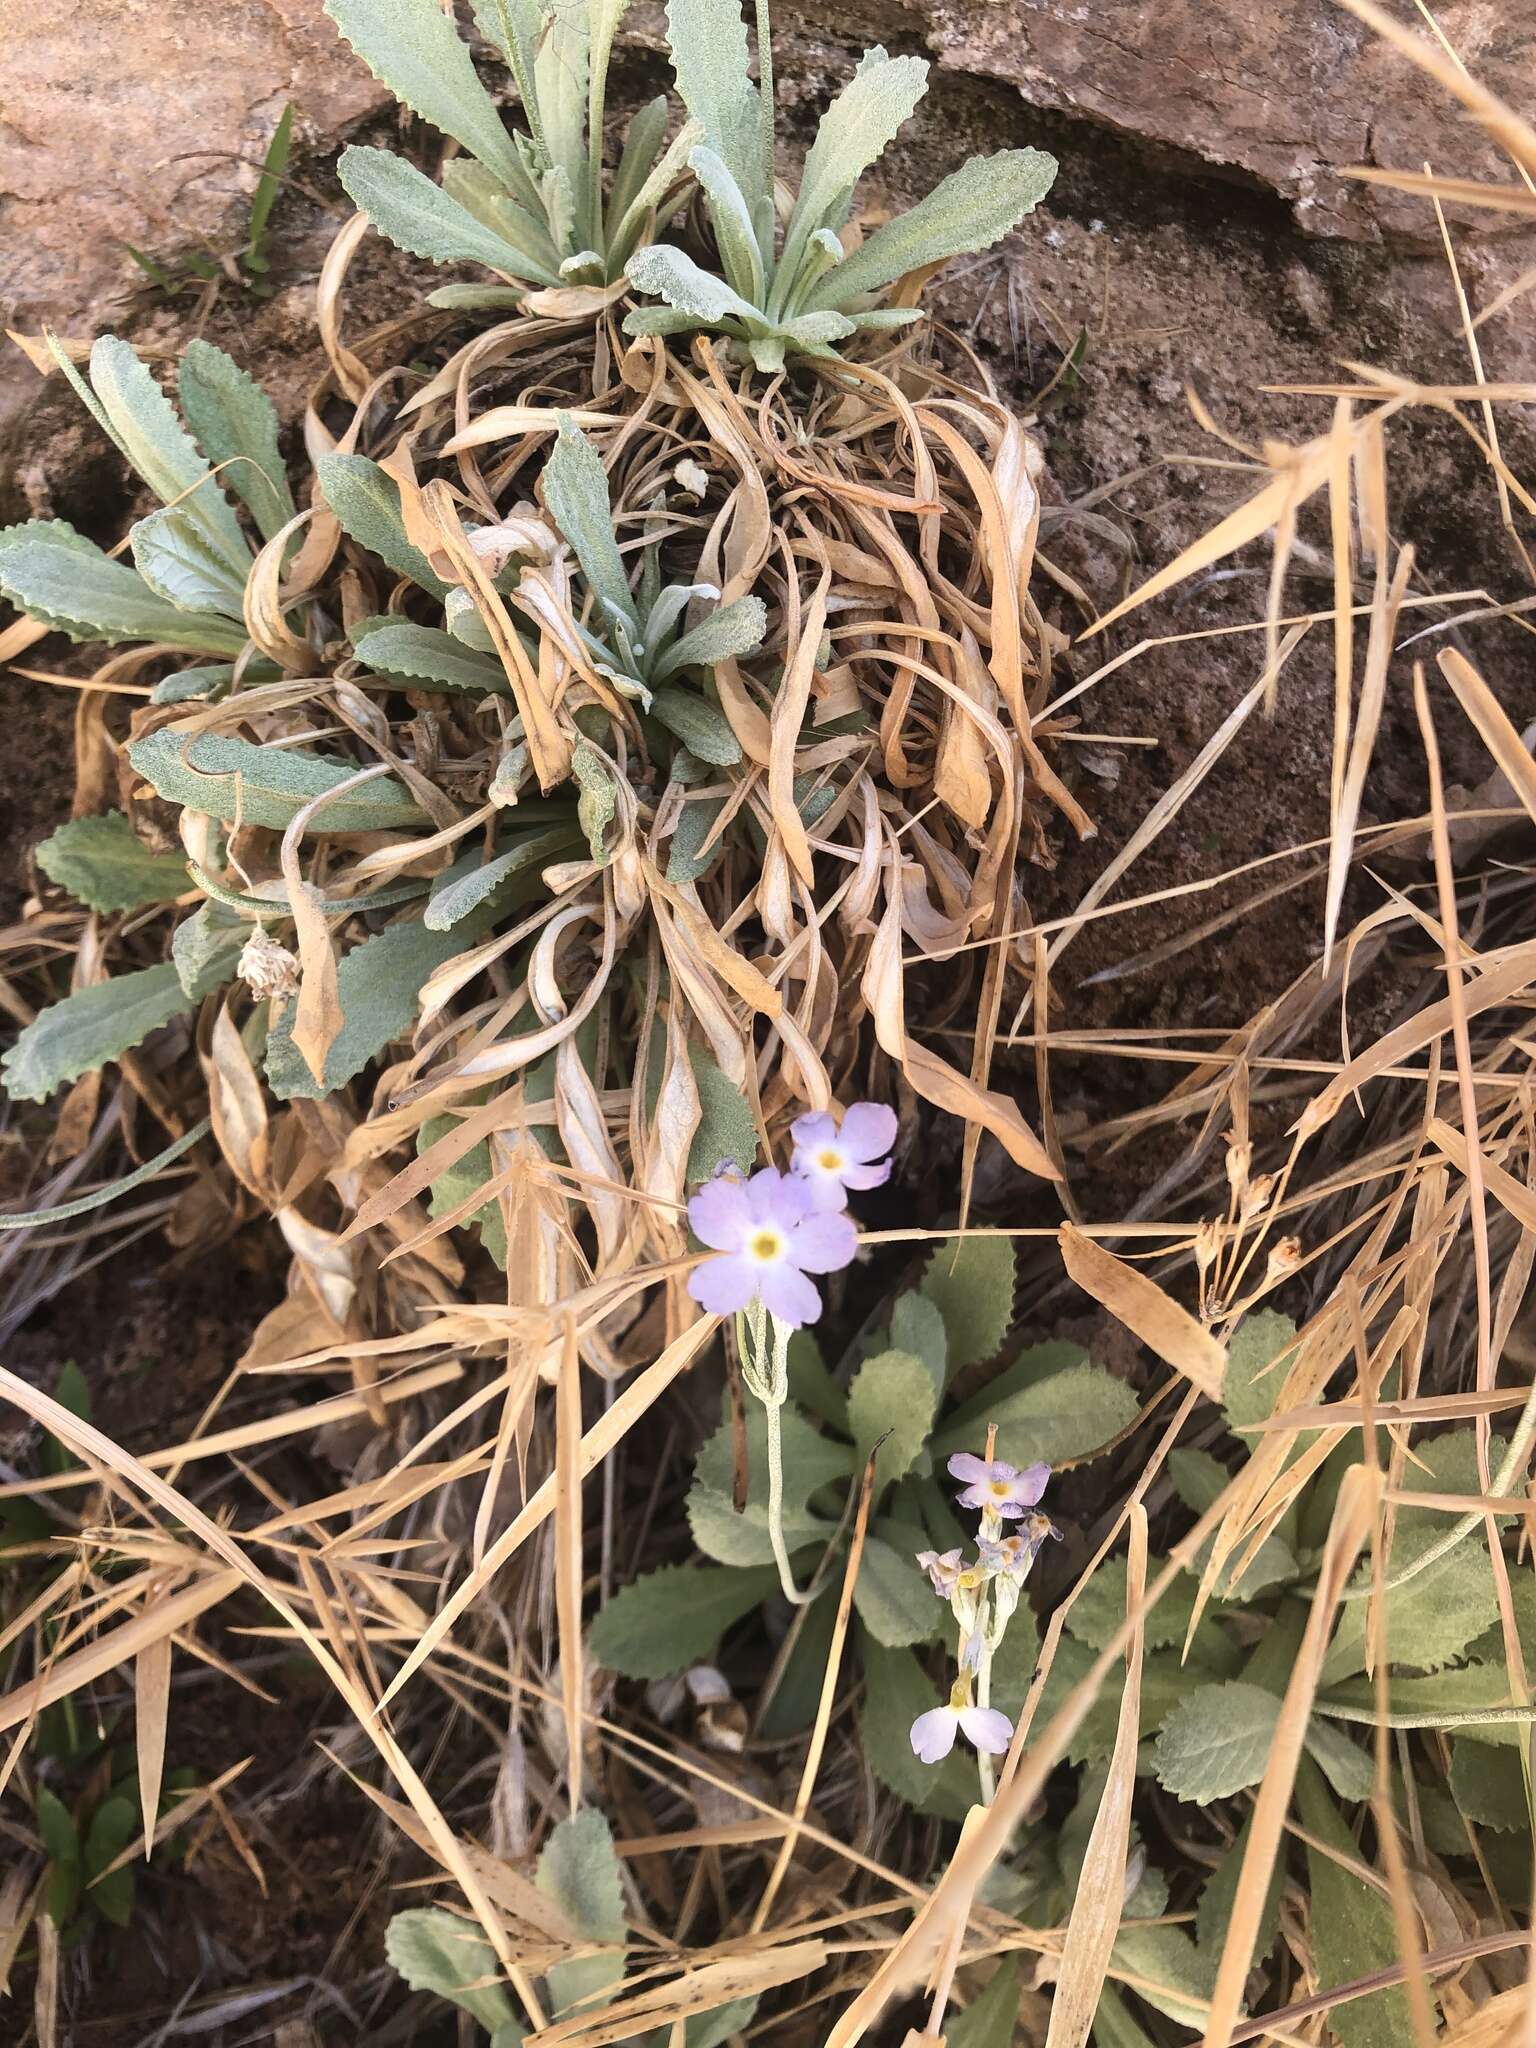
pixel 599 798
pixel 1066 1416
pixel 1113 2026
pixel 1459 1689
pixel 418 216
pixel 793 1706
pixel 143 422
pixel 1216 1741
pixel 1034 1365
pixel 743 1539
pixel 1198 1478
pixel 892 1396
pixel 1488 1787
pixel 205 948
pixel 1099 1608
pixel 114 1825
pixel 66 583
pixel 522 223
pixel 206 684
pixel 709 2029
pixel 436 1951
pixel 918 1327
pixel 1248 1392
pixel 708 42
pixel 455 900
pixel 228 779
pixel 674 1617
pixel 970 1280
pixel 459 1182
pixel 811 1460
pixel 896 1691
pixel 367 503
pixel 428 654
pixel 973 208
pixel 1178 1978
pixel 379 988
pixel 580 1872
pixel 56 1825
pixel 413 47
pixel 575 488
pixel 730 631
pixel 991 2020
pixel 731 218
pixel 662 272
pixel 812 1385
pixel 1346 1766
pixel 1353 1933
pixel 1219 1896
pixel 855 131
pixel 104 863
pixel 727 1134
pixel 179 563
pixel 894 1599
pixel 1433 1618
pixel 235 424
pixel 703 729
pixel 90 1027
pixel 687 858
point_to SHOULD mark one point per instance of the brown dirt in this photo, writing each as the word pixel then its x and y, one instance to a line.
pixel 1178 278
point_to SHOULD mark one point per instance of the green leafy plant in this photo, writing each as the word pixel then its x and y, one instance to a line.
pixel 580 1876
pixel 531 205
pixel 819 283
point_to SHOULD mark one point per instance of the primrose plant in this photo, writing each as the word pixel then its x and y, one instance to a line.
pixel 772 1232
pixel 531 206
pixel 816 283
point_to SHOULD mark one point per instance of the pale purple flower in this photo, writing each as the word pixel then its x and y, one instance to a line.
pixel 834 1160
pixel 772 1237
pixel 996 1486
pixel 1013 1555
pixel 984 1728
pixel 943 1569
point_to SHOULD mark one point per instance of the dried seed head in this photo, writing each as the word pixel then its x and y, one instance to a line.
pixel 1239 1159
pixel 267 968
pixel 1255 1196
pixel 1284 1259
pixel 1207 1244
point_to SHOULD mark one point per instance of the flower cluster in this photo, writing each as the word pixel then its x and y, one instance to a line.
pixel 983 1596
pixel 775 1229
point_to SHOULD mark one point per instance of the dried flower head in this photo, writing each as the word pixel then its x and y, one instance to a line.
pixel 267 968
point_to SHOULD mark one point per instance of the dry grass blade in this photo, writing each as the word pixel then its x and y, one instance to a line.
pixel 1139 1303
pixel 151 1708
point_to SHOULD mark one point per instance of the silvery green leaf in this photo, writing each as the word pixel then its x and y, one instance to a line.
pixel 514 27
pixel 732 630
pixel 65 582
pixel 467 1175
pixel 885 319
pixel 727 1133
pixel 378 985
pixel 576 492
pixel 179 563
pixel 465 622
pixel 667 273
pixel 1487 1784
pixel 709 2029
pixel 659 320
pixel 598 800
pixel 420 217
pixel 642 139
pixel 560 91
pixel 811 1460
pixel 1099 1608
pixel 894 1599
pixel 455 900
pixel 207 683
pixel 1070 1415
pixel 708 42
pixel 206 947
pixel 235 425
pixel 145 427
pixel 990 2021
pixel 1198 1479
pixel 686 857
pixel 970 1280
pixel 893 1398
pixel 579 1870
pixel 476 298
pixel 703 728
pixel 367 502
pixel 1354 1934
pixel 674 1617
pixel 483 195
pixel 973 208
pixel 1213 1916
pixel 667 175
pixel 229 778
pixel 414 49
pixel 918 1327
pixel 436 1951
pixel 1164 1963
pixel 103 862
pixel 816 332
pixel 90 1027
pixel 397 647
pixel 768 351
pixel 1216 1741
pixel 855 131
pixel 742 1539
pixel 731 219
pixel 1346 1766
pixel 1249 1392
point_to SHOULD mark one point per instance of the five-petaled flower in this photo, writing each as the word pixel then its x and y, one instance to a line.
pixel 1013 1555
pixel 833 1160
pixel 772 1236
pixel 984 1728
pixel 996 1486
pixel 943 1568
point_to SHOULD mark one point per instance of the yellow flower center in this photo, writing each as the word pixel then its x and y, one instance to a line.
pixel 829 1159
pixel 766 1246
pixel 998 1488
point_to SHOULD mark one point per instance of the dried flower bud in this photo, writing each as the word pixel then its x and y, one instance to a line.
pixel 1284 1259
pixel 1239 1159
pixel 1207 1244
pixel 267 968
pixel 1256 1196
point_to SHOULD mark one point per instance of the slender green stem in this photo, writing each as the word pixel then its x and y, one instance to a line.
pixel 776 1508
pixel 1459 1717
pixel 984 1769
pixel 765 90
